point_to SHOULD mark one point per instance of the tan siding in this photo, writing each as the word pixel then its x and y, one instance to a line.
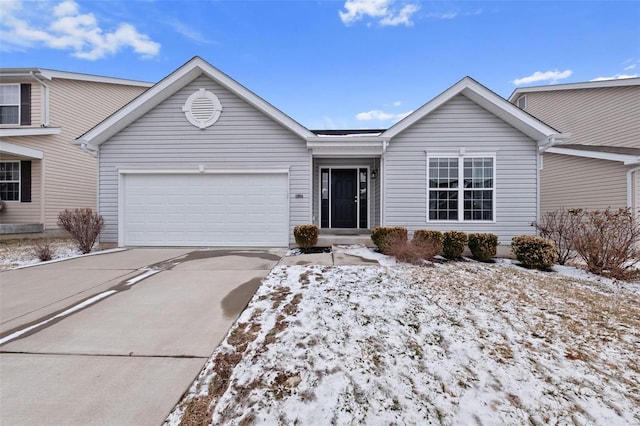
pixel 462 123
pixel 243 137
pixel 37 91
pixel 637 191
pixel 600 116
pixel 17 212
pixel 70 173
pixel 575 182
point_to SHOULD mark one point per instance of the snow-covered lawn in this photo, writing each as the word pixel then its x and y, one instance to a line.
pixel 454 343
pixel 16 253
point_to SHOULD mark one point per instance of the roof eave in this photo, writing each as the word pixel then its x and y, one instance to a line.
pixel 487 99
pixel 171 84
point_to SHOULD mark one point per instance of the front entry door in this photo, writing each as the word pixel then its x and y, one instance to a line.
pixel 344 198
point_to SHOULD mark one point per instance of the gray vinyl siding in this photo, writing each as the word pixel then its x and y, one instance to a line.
pixel 575 182
pixel 456 124
pixel 242 138
pixel 606 116
pixel 374 184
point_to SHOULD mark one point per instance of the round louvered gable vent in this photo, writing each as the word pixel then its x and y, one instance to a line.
pixel 202 109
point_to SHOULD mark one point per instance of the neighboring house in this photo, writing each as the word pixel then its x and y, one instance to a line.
pixel 199 160
pixel 598 166
pixel 41 173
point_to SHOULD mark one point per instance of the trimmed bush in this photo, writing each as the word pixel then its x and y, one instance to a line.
pixel 306 236
pixel 383 235
pixel 429 237
pixel 453 243
pixel 483 246
pixel 84 226
pixel 534 252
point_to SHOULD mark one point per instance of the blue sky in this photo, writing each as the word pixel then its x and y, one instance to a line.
pixel 332 64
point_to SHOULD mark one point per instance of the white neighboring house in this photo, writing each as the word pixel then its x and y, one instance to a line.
pixel 199 160
pixel 598 166
pixel 41 110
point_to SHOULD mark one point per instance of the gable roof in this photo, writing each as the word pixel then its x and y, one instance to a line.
pixel 170 85
pixel 495 104
pixel 622 82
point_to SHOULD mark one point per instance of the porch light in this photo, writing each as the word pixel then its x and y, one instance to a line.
pixel 374 173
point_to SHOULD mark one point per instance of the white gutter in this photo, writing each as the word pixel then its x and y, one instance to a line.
pixel 45 103
pixel 630 174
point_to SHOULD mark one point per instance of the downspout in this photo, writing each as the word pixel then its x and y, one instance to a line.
pixel 383 182
pixel 630 174
pixel 45 101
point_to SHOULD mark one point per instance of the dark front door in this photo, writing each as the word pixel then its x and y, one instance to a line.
pixel 344 198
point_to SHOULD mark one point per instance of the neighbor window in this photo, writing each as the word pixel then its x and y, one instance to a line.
pixel 9 104
pixel 10 180
pixel 461 198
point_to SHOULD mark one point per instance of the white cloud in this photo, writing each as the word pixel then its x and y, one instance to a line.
pixel 446 15
pixel 186 31
pixel 615 77
pixel 384 11
pixel 65 28
pixel 378 115
pixel 630 67
pixel 537 76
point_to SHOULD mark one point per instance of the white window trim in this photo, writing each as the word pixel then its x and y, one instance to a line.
pixel 18 104
pixel 358 204
pixel 461 156
pixel 19 181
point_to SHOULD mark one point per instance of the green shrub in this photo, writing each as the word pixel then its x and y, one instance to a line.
pixel 453 243
pixel 306 236
pixel 382 236
pixel 483 246
pixel 84 226
pixel 534 252
pixel 429 237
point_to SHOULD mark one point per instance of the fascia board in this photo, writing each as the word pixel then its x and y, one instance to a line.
pixel 29 131
pixel 23 151
pixel 139 106
pixel 486 99
pixel 255 100
pixel 573 86
pixel 598 155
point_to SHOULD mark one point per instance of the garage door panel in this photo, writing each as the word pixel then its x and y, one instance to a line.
pixel 205 210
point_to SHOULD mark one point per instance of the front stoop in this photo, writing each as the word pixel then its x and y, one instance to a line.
pixel 344 237
pixel 344 240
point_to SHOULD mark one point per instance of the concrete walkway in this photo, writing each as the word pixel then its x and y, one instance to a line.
pixel 115 339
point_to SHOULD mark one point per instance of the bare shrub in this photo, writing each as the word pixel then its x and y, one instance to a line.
pixel 433 238
pixel 43 249
pixel 408 251
pixel 306 236
pixel 561 227
pixel 606 241
pixel 84 226
pixel 483 246
pixel 453 244
pixel 383 235
pixel 534 252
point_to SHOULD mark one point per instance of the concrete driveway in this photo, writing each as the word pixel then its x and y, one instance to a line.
pixel 117 338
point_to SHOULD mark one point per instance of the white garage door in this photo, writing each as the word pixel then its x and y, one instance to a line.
pixel 206 210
